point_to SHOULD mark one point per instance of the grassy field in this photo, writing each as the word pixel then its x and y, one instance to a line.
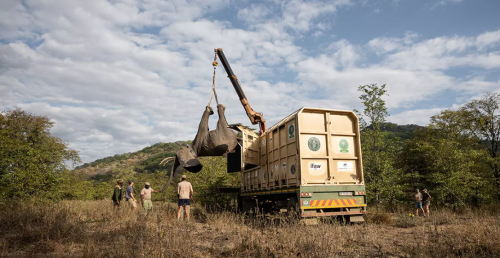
pixel 97 229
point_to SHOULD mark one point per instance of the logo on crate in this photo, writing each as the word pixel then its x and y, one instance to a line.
pixel 344 146
pixel 276 167
pixel 313 144
pixel 346 166
pixel 291 131
pixel 314 166
pixel 264 142
pixel 292 169
pixel 283 166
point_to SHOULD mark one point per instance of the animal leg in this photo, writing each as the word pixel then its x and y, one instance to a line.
pixel 222 123
pixel 202 133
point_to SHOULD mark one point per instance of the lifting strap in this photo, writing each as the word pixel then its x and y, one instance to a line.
pixel 213 92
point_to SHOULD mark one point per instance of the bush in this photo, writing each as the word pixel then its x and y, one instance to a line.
pixel 407 220
pixel 378 218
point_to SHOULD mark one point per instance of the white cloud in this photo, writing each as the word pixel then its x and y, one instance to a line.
pixel 117 76
pixel 418 116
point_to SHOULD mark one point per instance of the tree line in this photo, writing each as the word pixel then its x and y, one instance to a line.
pixel 456 156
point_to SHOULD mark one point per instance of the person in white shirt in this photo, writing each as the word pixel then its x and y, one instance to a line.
pixel 146 196
pixel 185 192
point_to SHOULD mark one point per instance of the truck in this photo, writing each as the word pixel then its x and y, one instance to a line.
pixel 309 164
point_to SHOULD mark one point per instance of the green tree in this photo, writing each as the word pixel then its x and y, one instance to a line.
pixel 476 125
pixel 31 159
pixel 378 152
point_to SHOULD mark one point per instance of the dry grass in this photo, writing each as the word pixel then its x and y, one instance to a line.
pixel 96 229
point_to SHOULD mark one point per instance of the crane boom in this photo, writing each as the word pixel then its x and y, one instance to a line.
pixel 255 118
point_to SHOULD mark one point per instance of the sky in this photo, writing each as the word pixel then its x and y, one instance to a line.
pixel 117 76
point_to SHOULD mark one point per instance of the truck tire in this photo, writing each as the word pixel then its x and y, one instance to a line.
pixel 293 208
pixel 248 206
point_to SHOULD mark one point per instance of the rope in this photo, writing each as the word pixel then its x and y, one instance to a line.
pixel 213 92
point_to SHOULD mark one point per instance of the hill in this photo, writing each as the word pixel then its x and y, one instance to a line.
pixel 146 160
pixel 403 132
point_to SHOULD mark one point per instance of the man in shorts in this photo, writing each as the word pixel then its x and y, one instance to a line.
pixel 184 191
pixel 146 197
pixel 426 201
pixel 417 197
pixel 129 196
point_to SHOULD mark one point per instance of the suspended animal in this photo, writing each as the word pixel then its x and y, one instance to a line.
pixel 206 143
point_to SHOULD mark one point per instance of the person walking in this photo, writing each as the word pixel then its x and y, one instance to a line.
pixel 185 192
pixel 426 201
pixel 129 196
pixel 146 196
pixel 117 193
pixel 417 197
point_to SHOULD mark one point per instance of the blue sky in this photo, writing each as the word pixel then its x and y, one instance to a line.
pixel 117 76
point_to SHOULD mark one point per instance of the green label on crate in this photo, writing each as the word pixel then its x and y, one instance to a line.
pixel 291 131
pixel 313 144
pixel 344 146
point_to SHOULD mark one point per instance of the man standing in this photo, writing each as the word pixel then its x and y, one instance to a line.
pixel 146 197
pixel 417 197
pixel 184 191
pixel 117 193
pixel 129 196
pixel 426 201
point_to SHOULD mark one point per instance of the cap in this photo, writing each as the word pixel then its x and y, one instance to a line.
pixel 184 177
pixel 416 190
pixel 147 183
pixel 425 190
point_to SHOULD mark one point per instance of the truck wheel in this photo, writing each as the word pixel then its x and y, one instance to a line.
pixel 248 206
pixel 293 208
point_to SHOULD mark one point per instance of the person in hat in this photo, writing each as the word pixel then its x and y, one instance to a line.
pixel 129 196
pixel 426 201
pixel 117 193
pixel 185 192
pixel 146 196
pixel 417 198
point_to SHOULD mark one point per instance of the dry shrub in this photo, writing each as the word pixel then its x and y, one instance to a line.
pixel 378 218
pixel 442 217
pixel 200 215
pixel 404 220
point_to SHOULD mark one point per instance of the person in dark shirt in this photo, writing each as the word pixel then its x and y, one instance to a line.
pixel 117 193
pixel 129 196
pixel 426 201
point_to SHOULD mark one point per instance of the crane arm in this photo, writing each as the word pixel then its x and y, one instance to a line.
pixel 255 118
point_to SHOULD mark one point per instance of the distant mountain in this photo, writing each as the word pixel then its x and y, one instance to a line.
pixel 404 132
pixel 146 160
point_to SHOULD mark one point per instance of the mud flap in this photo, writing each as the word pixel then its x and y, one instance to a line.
pixel 356 219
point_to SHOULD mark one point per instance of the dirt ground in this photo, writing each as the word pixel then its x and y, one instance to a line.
pixel 97 229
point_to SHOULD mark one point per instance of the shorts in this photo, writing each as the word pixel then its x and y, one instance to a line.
pixel 147 205
pixel 184 202
pixel 132 203
pixel 428 203
pixel 418 205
